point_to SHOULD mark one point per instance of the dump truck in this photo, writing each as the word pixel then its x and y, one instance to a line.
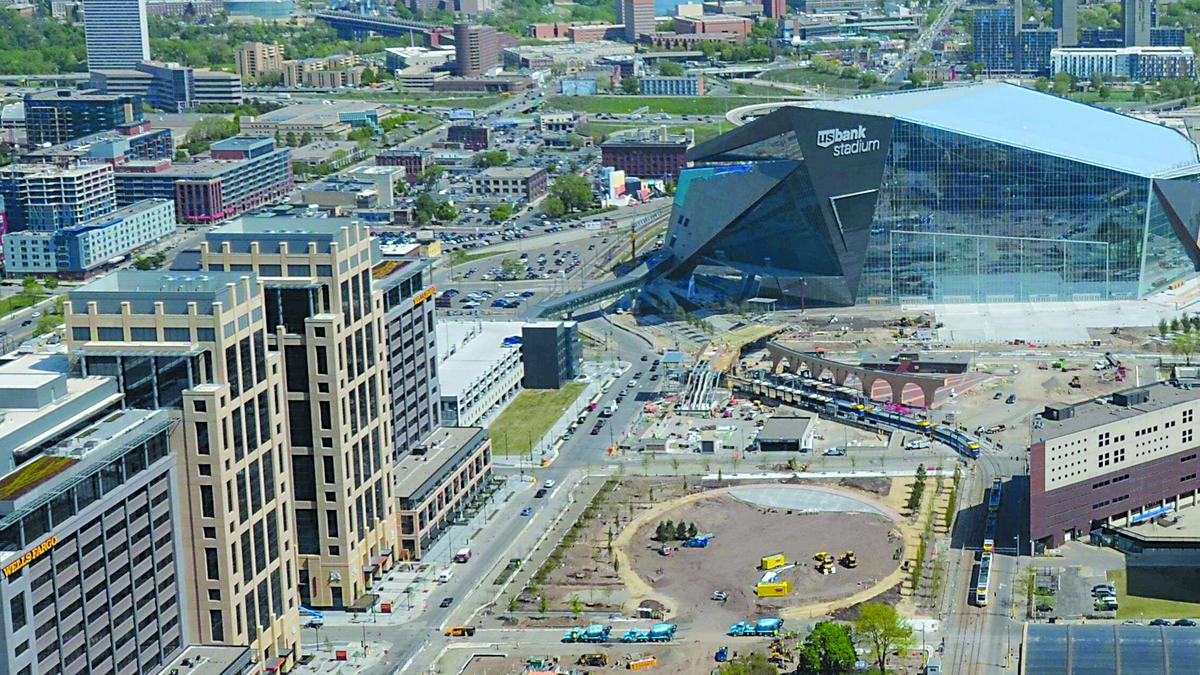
pixel 849 559
pixel 770 626
pixel 593 660
pixel 773 589
pixel 460 631
pixel 593 633
pixel 698 541
pixel 662 632
pixel 643 662
pixel 772 561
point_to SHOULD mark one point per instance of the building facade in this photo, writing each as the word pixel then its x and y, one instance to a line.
pixel 93 577
pixel 1168 36
pixel 1036 47
pixel 663 85
pixel 45 197
pixel 115 32
pixel 895 199
pixel 1136 63
pixel 323 318
pixel 62 115
pixel 1136 22
pixel 992 31
pixel 476 49
pixel 650 158
pixel 434 489
pixel 551 354
pixel 407 287
pixel 83 249
pixel 472 136
pixel 255 59
pixel 638 18
pixel 414 161
pixel 512 183
pixel 1116 461
pixel 195 346
pixel 479 370
pixel 1065 19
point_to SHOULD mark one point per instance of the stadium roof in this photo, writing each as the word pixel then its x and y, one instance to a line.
pixel 1015 115
pixel 1110 649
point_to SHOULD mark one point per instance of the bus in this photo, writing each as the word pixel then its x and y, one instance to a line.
pixel 981 584
pixel 994 496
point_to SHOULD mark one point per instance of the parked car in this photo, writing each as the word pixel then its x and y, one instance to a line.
pixel 1104 589
pixel 1185 622
pixel 540 493
pixel 1160 622
pixel 835 452
pixel 1012 398
pixel 999 395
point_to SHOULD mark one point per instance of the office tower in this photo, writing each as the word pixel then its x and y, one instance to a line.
pixel 1036 45
pixel 116 33
pixel 406 285
pixel 326 322
pixel 1066 20
pixel 257 58
pixel 45 197
pixel 195 346
pixel 1168 36
pixel 551 353
pixel 60 115
pixel 775 9
pixel 620 12
pixel 1135 22
pixel 992 30
pixel 639 18
pixel 476 49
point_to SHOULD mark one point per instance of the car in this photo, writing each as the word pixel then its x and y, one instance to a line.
pixel 1012 398
pixel 1184 622
pixel 540 493
pixel 36 315
pixel 528 294
pixel 595 431
pixel 633 383
pixel 446 601
pixel 720 596
pixel 835 452
pixel 512 294
pixel 1160 622
pixel 26 322
pixel 1104 589
pixel 549 484
pixel 527 510
pixel 999 395
pixel 645 357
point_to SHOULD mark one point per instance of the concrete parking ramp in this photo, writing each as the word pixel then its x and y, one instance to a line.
pixel 814 499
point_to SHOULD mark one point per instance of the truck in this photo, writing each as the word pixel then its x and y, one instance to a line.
pixel 698 541
pixel 445 575
pixel 311 617
pixel 662 632
pixel 772 561
pixel 768 626
pixel 593 633
pixel 636 635
pixel 463 555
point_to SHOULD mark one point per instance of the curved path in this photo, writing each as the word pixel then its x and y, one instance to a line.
pixel 769 495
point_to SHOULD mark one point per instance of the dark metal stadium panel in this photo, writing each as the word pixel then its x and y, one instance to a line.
pixel 1180 199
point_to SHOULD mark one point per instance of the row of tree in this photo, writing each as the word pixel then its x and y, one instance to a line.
pixel 668 531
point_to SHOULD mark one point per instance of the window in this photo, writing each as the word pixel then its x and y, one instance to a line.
pixel 211 565
pixel 216 621
pixel 331 522
pixel 207 505
pixel 1188 458
pixel 1190 476
pixel 16 610
pixel 330 476
pixel 81 333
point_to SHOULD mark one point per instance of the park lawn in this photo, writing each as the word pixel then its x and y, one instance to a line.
pixel 1144 608
pixel 673 105
pixel 762 89
pixel 19 301
pixel 749 333
pixel 530 415
pixel 814 78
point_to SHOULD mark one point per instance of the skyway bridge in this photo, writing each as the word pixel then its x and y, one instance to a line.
pixel 351 25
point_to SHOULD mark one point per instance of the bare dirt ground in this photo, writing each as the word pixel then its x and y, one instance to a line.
pixel 743 535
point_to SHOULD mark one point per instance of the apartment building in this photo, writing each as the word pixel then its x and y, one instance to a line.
pixel 406 284
pixel 326 321
pixel 195 346
pixel 435 487
pixel 255 59
pixel 44 197
pixel 61 115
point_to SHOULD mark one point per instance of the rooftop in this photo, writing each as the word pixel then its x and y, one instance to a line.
pixel 134 281
pixel 466 350
pixel 1110 649
pixel 511 172
pixel 786 427
pixel 442 444
pixel 314 225
pixel 32 474
pixel 69 95
pixel 312 113
pixel 1100 411
pixel 1026 118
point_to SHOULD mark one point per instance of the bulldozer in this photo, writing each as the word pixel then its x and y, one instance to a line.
pixel 849 560
pixel 599 660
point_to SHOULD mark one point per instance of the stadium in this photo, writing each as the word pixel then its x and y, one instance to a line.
pixel 982 193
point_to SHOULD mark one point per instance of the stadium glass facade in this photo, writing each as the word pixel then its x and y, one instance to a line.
pixel 856 205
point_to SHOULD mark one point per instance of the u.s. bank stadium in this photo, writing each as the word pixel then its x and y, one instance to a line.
pixel 985 192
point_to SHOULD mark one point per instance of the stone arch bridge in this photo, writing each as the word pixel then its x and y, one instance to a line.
pixel 797 361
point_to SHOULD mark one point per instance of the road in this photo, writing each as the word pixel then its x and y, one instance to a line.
pixel 897 73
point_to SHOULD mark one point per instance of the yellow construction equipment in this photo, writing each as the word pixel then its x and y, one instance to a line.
pixel 849 560
pixel 460 631
pixel 773 589
pixel 593 660
pixel 821 556
pixel 770 562
pixel 643 662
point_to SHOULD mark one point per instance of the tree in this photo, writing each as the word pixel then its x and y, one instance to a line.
pixel 290 139
pixel 691 530
pixel 1139 92
pixel 1163 328
pixel 430 174
pixel 446 212
pixel 1096 82
pixel 975 69
pixel 1062 83
pixel 50 283
pixel 670 69
pixel 306 138
pixel 681 530
pixel 750 664
pixel 501 213
pixel 490 158
pixel 552 206
pixel 630 85
pixel 828 649
pixel 660 532
pixel 543 604
pixel 574 191
pixel 29 285
pixel 883 630
pixel 867 79
pixel 576 605
pixel 1042 84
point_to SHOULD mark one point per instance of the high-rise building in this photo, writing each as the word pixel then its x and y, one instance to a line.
pixel 196 347
pixel 1136 22
pixel 476 49
pixel 324 319
pixel 620 9
pixel 551 353
pixel 45 197
pixel 639 18
pixel 1036 45
pixel 775 9
pixel 1066 20
pixel 408 306
pixel 992 31
pixel 257 58
pixel 116 33
pixel 60 115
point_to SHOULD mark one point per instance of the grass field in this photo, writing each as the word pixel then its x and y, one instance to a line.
pixel 19 301
pixel 674 105
pixel 530 415
pixel 817 79
pixel 462 257
pixel 1175 581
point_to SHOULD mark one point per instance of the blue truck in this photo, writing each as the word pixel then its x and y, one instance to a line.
pixel 769 626
pixel 698 541
pixel 593 633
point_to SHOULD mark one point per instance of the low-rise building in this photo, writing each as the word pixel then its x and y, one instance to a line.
pixel 556 123
pixel 472 136
pixel 513 183
pixel 171 86
pixel 300 72
pixel 317 119
pixel 81 250
pixel 363 187
pixel 326 154
pixel 665 85
pixel 1136 63
pixel 126 142
pixel 399 58
pixel 46 197
pixel 242 174
pixel 649 155
pixel 490 85
pixel 673 40
pixel 413 161
pixel 435 486
pixel 570 58
pixel 255 59
pixel 1117 461
pixel 786 433
pixel 479 369
pixel 717 24
pixel 578 86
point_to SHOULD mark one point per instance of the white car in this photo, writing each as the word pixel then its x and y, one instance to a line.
pixel 512 294
pixel 549 484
